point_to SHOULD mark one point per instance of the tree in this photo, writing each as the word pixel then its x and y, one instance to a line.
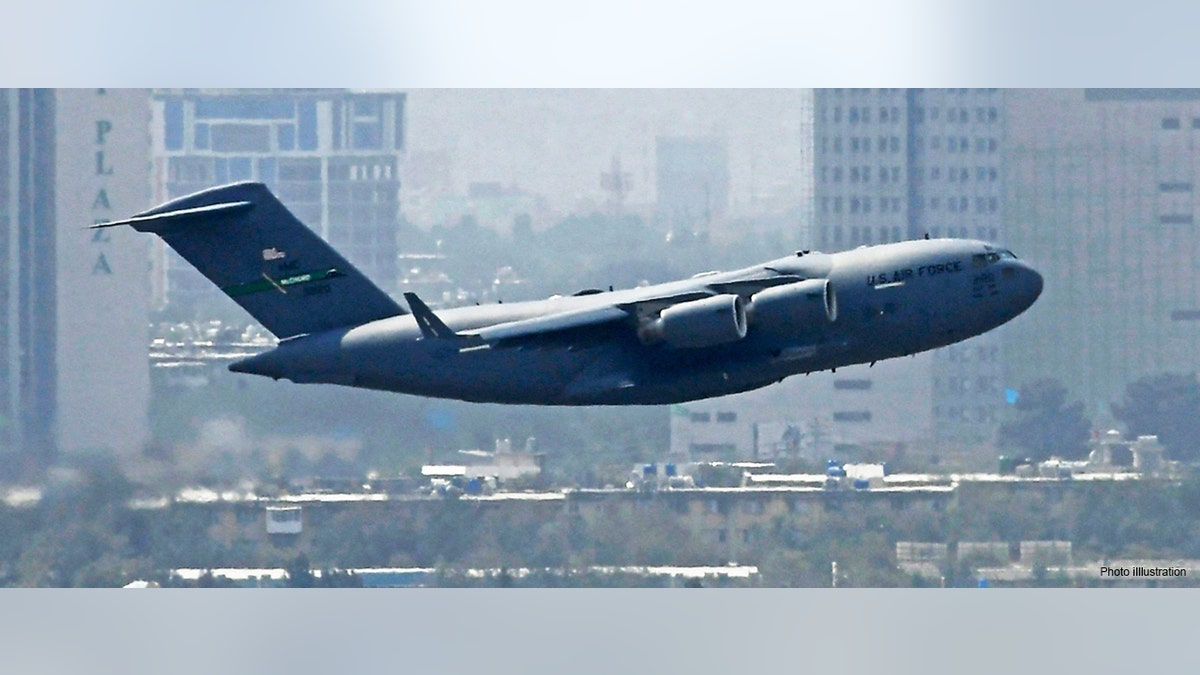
pixel 1166 405
pixel 1045 425
pixel 299 573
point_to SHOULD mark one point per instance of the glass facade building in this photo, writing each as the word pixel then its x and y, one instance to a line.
pixel 332 156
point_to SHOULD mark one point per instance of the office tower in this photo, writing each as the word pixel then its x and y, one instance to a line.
pixel 73 368
pixel 896 164
pixel 332 156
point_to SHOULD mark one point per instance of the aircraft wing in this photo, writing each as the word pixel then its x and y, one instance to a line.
pixel 630 308
pixel 551 323
pixel 580 318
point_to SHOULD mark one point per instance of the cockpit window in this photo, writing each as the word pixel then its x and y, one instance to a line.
pixel 992 256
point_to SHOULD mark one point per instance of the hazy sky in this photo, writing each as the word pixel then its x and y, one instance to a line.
pixel 557 142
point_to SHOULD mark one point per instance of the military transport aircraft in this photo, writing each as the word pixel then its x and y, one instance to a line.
pixel 713 334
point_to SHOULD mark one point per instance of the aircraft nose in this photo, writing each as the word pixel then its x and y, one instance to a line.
pixel 1026 286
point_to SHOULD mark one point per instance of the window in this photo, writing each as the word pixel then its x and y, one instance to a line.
pixel 307 125
pixel 300 169
pixel 287 136
pixel 1170 123
pixel 1176 219
pixel 1175 187
pixel 701 417
pixel 1186 315
pixel 852 416
pixel 173 125
pixel 244 108
pixel 200 139
pixel 726 417
pixel 855 385
pixel 240 137
pixel 239 168
pixel 267 169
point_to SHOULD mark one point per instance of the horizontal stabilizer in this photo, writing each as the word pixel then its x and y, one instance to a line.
pixel 146 223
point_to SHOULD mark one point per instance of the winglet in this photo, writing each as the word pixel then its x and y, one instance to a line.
pixel 431 326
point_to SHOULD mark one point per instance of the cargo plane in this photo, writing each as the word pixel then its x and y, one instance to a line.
pixel 716 333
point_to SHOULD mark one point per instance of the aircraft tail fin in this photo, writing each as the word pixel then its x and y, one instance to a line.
pixel 246 242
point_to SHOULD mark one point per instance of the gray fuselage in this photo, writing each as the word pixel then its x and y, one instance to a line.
pixel 886 301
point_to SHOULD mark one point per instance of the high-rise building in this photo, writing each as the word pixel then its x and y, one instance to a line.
pixel 332 156
pixel 1101 196
pixel 27 369
pixel 896 164
pixel 74 374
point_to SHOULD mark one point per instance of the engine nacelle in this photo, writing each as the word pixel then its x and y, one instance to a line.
pixel 709 322
pixel 810 303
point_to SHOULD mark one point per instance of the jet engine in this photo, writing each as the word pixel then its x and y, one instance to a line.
pixel 700 323
pixel 810 303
